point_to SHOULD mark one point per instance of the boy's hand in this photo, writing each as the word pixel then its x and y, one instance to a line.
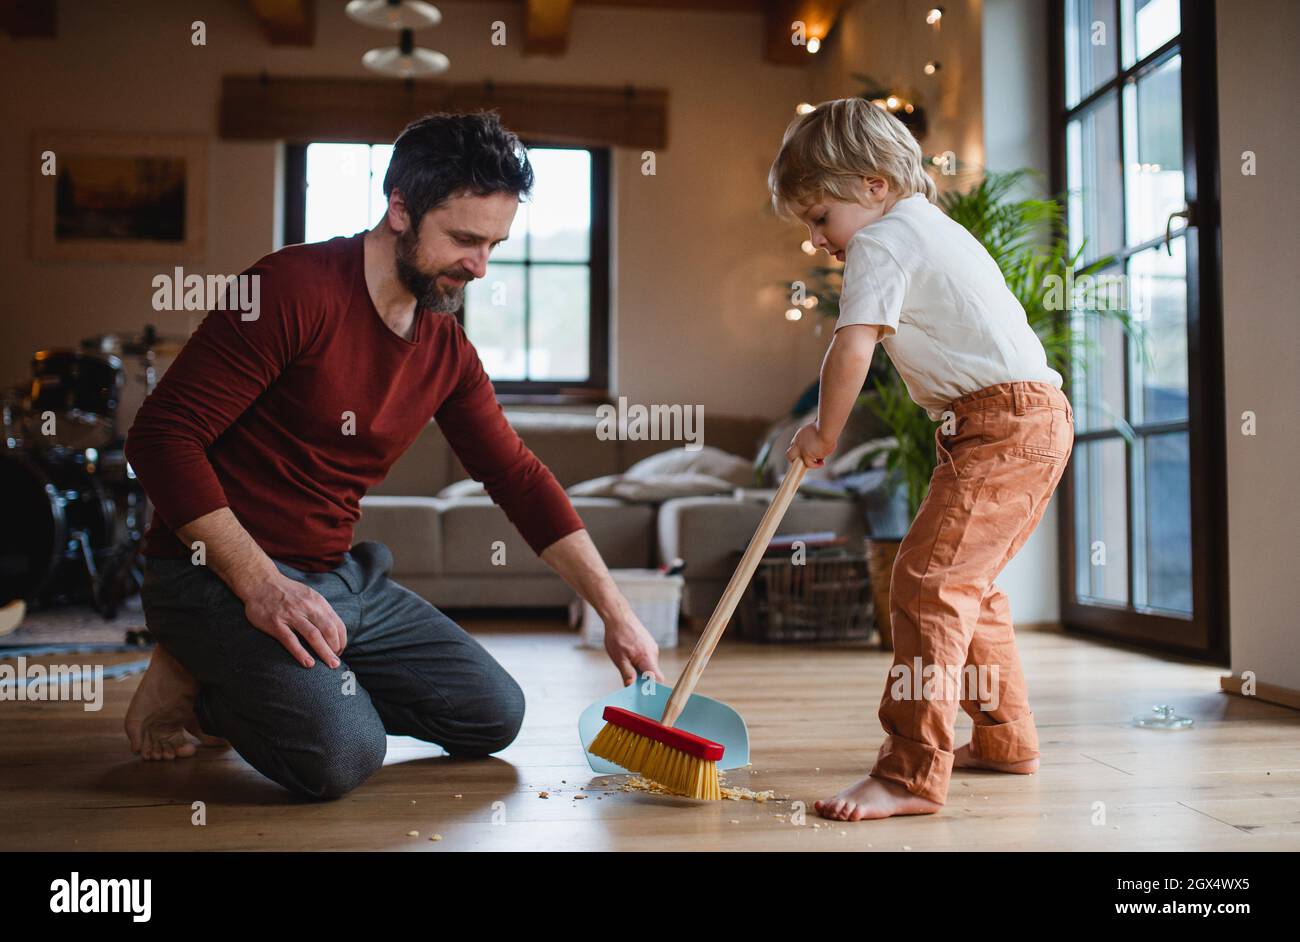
pixel 810 445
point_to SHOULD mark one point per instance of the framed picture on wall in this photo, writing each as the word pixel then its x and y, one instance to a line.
pixel 119 197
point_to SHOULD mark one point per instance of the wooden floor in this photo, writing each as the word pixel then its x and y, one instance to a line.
pixel 1231 783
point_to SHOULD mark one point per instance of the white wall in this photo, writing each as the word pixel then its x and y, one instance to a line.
pixel 1016 132
pixel 890 41
pixel 1016 135
pixel 1259 72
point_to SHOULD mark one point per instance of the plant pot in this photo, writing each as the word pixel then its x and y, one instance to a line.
pixel 880 566
pixel 884 508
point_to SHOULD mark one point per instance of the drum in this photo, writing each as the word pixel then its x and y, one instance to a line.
pixel 145 356
pixel 79 391
pixel 119 483
pixel 56 512
pixel 13 418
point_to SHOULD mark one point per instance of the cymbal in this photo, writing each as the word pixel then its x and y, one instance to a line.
pixel 125 344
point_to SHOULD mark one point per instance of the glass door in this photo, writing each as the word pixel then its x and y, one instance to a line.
pixel 1135 154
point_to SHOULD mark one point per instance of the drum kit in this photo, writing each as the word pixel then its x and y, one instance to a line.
pixel 74 512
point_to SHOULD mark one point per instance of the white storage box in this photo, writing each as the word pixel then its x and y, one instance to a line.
pixel 655 598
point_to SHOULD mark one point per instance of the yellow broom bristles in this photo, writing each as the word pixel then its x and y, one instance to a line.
pixel 673 769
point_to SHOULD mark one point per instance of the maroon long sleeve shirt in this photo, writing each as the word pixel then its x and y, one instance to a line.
pixel 289 419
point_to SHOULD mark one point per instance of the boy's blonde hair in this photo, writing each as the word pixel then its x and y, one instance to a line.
pixel 827 151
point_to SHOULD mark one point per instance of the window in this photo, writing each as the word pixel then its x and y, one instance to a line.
pixel 1135 152
pixel 539 317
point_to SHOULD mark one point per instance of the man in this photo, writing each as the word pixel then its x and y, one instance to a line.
pixel 256 448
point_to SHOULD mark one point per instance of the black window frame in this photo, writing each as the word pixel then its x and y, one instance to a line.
pixel 1205 635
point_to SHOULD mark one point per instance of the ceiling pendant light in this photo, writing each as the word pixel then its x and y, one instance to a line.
pixel 394 14
pixel 406 60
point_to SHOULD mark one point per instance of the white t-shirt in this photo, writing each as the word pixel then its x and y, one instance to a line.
pixel 949 323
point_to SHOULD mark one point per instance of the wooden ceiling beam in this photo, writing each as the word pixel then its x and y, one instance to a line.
pixel 818 17
pixel 287 22
pixel 546 27
pixel 29 19
pixel 304 109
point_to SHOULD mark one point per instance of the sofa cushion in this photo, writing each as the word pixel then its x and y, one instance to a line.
pixel 863 425
pixel 471 527
pixel 651 488
pixel 847 462
pixel 735 435
pixel 707 460
pixel 466 488
pixel 409 526
pixel 567 443
pixel 422 470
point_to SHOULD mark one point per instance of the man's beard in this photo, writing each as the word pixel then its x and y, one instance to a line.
pixel 428 293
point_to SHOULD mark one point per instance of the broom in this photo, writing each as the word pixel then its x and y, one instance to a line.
pixel 680 761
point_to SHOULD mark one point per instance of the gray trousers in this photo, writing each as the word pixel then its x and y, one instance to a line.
pixel 407 670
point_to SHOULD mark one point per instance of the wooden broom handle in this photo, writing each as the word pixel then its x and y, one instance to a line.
pixel 699 658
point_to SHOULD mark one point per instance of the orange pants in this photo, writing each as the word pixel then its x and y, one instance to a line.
pixel 953 637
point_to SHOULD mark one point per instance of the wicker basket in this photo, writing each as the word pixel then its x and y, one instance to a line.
pixel 828 598
pixel 880 564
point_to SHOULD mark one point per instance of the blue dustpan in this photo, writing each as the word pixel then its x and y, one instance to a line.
pixel 703 716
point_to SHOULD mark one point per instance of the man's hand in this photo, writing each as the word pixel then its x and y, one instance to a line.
pixel 629 645
pixel 284 609
pixel 631 648
pixel 275 604
pixel 810 445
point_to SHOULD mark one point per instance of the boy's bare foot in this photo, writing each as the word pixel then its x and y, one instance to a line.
pixel 962 758
pixel 160 722
pixel 874 798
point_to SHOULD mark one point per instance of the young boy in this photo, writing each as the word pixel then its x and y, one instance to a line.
pixel 924 287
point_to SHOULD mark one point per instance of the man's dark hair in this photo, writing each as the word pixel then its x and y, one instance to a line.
pixel 441 155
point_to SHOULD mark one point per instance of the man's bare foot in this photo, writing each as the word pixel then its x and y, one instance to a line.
pixel 874 798
pixel 962 758
pixel 160 722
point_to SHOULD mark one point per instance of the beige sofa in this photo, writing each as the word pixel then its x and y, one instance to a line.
pixel 444 548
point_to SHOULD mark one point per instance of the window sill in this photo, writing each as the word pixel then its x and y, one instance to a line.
pixel 576 398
